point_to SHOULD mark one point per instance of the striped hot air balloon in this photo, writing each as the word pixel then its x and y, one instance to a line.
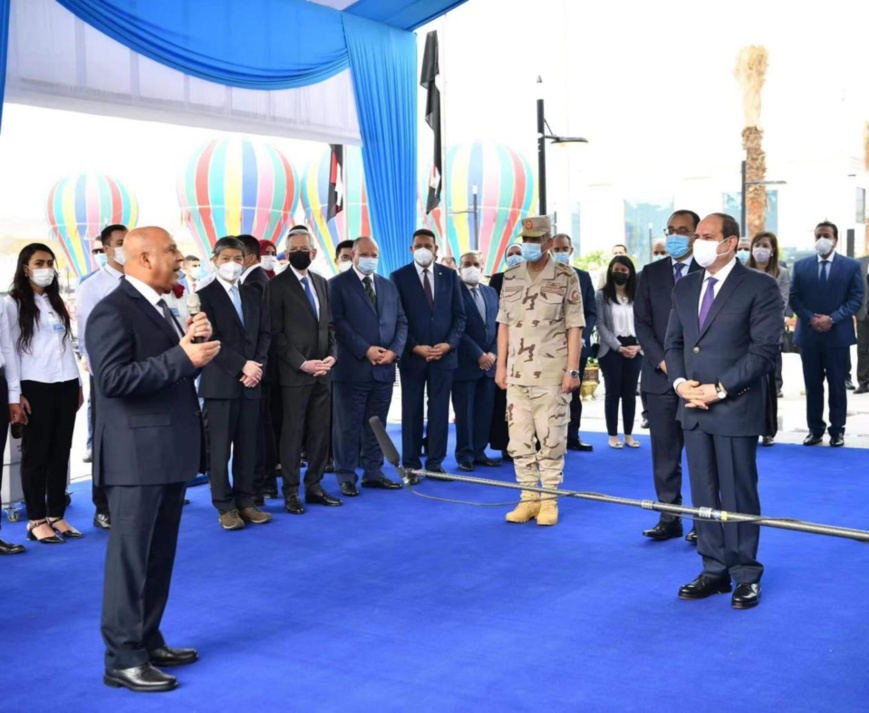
pixel 79 207
pixel 506 191
pixel 235 187
pixel 351 222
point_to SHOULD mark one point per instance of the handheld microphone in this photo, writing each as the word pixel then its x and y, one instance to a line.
pixel 390 452
pixel 194 307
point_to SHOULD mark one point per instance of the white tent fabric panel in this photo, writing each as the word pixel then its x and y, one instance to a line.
pixel 54 56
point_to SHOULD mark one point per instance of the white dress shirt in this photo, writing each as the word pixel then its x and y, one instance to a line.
pixel 50 358
pixel 623 319
pixel 301 277
pixel 721 276
pixel 686 261
pixel 431 279
pixel 9 358
pixel 362 276
pixel 829 259
pixel 90 293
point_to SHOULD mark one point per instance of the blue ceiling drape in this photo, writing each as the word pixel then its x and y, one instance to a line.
pixel 403 14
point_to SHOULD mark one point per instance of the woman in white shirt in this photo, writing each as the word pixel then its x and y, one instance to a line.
pixel 50 391
pixel 619 351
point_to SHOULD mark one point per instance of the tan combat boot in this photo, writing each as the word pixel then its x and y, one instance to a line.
pixel 527 508
pixel 548 511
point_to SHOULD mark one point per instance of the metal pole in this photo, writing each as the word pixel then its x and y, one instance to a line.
pixel 541 159
pixel 476 222
pixel 742 194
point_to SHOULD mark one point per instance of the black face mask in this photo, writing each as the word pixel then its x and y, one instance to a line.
pixel 300 260
pixel 620 278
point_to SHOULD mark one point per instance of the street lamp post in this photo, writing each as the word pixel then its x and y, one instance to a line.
pixel 475 245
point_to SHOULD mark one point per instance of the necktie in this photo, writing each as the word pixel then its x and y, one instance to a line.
pixel 478 300
pixel 310 294
pixel 170 318
pixel 825 272
pixel 369 290
pixel 707 300
pixel 236 302
pixel 426 285
pixel 678 267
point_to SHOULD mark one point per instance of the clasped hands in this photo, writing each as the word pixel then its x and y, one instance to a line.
pixel 438 351
pixel 318 367
pixel 379 356
pixel 697 395
pixel 821 323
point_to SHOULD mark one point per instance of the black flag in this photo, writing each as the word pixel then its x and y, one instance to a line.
pixel 430 71
pixel 336 182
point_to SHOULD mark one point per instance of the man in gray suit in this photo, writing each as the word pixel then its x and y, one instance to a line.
pixel 863 334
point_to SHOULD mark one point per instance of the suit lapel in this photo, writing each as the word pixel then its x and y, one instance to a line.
pixel 726 290
pixel 363 295
pixel 150 311
pixel 296 286
pixel 221 295
pixel 319 287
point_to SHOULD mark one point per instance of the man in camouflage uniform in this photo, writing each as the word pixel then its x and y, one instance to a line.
pixel 540 335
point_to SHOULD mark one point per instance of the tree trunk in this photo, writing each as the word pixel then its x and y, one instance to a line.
pixel 755 170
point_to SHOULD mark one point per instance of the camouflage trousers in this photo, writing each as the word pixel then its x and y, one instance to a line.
pixel 538 413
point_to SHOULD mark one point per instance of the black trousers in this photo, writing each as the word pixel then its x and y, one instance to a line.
pixel 620 376
pixel 863 353
pixel 473 401
pixel 45 446
pixel 667 444
pixel 575 406
pixel 98 492
pixel 499 435
pixel 4 422
pixel 771 417
pixel 821 362
pixel 139 561
pixel 305 416
pixel 232 427
pixel 723 472
pixel 353 439
pixel 414 385
pixel 266 446
pixel 779 382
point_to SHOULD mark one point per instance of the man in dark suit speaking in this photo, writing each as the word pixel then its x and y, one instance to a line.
pixel 147 446
pixel 724 333
pixel 370 330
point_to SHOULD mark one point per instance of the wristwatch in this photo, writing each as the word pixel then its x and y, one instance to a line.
pixel 719 389
pixel 573 374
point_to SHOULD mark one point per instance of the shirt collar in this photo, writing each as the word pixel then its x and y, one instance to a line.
pixel 682 261
pixel 300 276
pixel 227 285
pixel 361 275
pixel 722 274
pixel 829 257
pixel 113 272
pixel 148 292
pixel 419 268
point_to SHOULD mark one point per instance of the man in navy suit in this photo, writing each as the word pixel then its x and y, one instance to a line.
pixel 370 334
pixel 724 333
pixel 826 292
pixel 147 446
pixel 474 380
pixel 562 250
pixel 651 314
pixel 432 300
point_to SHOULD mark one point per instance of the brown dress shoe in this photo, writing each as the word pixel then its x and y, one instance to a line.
pixel 254 515
pixel 231 520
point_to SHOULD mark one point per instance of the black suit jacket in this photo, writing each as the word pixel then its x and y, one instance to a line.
pixel 257 280
pixel 737 346
pixel 496 282
pixel 148 427
pixel 589 308
pixel 652 307
pixel 238 343
pixel 298 335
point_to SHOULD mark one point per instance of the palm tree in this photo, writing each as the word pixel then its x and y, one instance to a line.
pixel 751 74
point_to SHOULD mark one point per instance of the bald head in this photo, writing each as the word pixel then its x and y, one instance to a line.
pixel 153 258
pixel 365 247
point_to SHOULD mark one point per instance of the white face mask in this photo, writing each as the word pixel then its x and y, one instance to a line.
pixel 823 246
pixel 423 257
pixel 706 252
pixel 120 256
pixel 471 275
pixel 344 266
pixel 43 276
pixel 269 262
pixel 230 271
pixel 762 254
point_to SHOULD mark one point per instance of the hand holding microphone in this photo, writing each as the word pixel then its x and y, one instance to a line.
pixel 198 320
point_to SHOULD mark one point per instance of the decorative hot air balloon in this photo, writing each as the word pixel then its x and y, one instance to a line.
pixel 80 206
pixel 506 191
pixel 351 222
pixel 235 187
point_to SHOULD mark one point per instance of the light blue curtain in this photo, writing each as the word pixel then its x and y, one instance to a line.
pixel 255 44
pixel 400 13
pixel 383 66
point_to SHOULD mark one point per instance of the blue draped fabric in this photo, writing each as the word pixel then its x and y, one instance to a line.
pixel 4 43
pixel 400 13
pixel 254 44
pixel 383 63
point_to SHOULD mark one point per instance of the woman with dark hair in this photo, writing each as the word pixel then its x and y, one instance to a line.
pixel 765 258
pixel 619 349
pixel 50 390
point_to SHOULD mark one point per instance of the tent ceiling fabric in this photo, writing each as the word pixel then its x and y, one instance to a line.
pixel 401 14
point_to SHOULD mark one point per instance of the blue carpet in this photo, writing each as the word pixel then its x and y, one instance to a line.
pixel 396 603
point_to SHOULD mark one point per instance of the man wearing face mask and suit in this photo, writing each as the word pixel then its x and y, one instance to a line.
pixel 432 301
pixel 826 292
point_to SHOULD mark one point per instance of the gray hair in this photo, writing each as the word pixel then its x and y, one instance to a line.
pixel 228 243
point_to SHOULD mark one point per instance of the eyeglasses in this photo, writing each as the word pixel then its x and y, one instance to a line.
pixel 300 250
pixel 684 232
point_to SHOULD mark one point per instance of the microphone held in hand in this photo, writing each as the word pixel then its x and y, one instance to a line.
pixel 194 307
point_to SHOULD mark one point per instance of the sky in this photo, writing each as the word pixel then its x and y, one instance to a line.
pixel 650 85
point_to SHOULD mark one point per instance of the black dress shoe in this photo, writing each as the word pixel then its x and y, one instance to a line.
pixel 644 423
pixel 849 385
pixel 812 440
pixel 767 441
pixel 349 489
pixel 506 457
pixel 664 531
pixel 330 466
pixel 691 537
pixel 579 446
pixel 435 469
pixel 383 483
pixel 321 497
pixel 142 679
pixel 7 548
pixel 167 656
pixel 862 389
pixel 705 586
pixel 49 540
pixel 746 596
pixel 488 462
pixel 293 505
pixel 103 521
pixel 779 395
pixel 466 467
pixel 837 441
